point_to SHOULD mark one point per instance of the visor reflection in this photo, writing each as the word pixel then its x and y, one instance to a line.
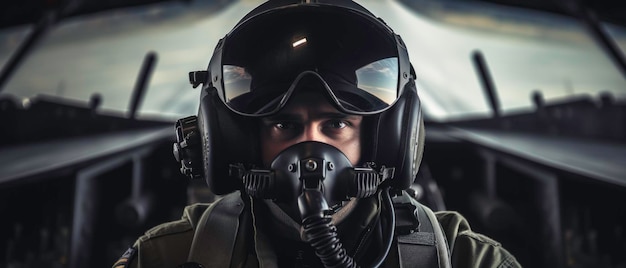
pixel 379 78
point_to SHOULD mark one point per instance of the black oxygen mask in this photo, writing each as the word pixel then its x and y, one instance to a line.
pixel 310 181
pixel 315 177
pixel 310 171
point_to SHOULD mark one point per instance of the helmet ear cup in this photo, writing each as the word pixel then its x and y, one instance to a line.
pixel 226 138
pixel 399 137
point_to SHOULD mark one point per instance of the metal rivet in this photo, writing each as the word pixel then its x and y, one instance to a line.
pixel 310 165
pixel 331 166
pixel 405 75
pixel 292 167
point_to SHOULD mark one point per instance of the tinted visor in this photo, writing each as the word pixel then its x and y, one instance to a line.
pixel 354 56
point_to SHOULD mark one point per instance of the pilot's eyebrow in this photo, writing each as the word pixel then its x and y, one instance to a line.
pixel 295 116
pixel 282 117
pixel 336 115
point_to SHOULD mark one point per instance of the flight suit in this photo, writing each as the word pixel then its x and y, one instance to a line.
pixel 170 244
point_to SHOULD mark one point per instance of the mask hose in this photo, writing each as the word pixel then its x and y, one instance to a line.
pixel 322 234
pixel 319 232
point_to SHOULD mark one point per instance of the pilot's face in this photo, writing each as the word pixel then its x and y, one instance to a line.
pixel 310 117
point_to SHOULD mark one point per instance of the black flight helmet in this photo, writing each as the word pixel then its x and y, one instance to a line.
pixel 359 63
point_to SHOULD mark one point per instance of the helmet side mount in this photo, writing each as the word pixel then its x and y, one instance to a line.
pixel 186 147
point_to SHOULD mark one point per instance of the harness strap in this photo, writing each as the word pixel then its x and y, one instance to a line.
pixel 420 239
pixel 417 249
pixel 220 242
pixel 443 249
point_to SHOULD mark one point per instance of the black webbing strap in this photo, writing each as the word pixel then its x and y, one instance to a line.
pixel 417 249
pixel 419 236
pixel 220 241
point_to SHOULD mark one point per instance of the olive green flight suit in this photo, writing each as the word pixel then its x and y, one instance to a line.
pixel 168 245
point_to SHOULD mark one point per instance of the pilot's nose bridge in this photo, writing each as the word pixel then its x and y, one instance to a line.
pixel 311 132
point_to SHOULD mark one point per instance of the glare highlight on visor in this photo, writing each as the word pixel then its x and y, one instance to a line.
pixel 299 42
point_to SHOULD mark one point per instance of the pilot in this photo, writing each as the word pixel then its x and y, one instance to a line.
pixel 309 129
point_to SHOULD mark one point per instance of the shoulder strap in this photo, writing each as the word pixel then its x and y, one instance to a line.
pixel 219 241
pixel 420 238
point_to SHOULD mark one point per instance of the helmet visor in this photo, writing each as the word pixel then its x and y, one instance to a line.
pixel 264 58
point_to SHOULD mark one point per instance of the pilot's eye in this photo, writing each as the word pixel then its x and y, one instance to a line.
pixel 338 124
pixel 284 125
